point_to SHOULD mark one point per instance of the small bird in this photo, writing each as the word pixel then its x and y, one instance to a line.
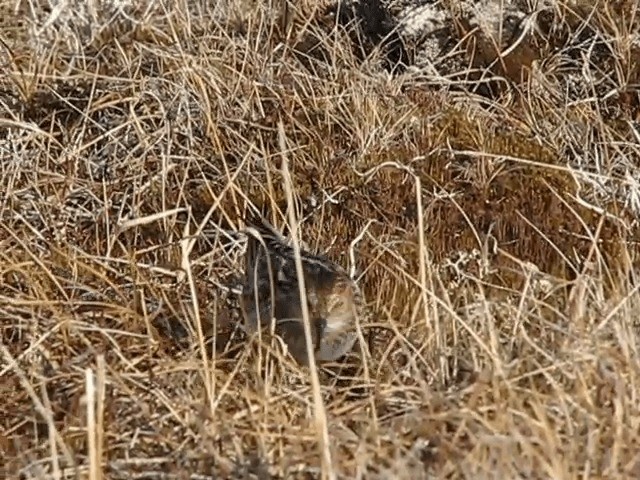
pixel 270 291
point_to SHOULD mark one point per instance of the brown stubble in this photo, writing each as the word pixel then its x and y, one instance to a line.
pixel 534 358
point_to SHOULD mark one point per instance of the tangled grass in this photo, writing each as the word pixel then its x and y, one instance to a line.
pixel 495 232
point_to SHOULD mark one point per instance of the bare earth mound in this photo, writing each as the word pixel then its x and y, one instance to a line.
pixel 475 164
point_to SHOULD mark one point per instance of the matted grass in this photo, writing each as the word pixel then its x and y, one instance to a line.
pixel 495 232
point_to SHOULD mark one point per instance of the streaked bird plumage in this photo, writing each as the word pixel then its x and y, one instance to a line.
pixel 270 290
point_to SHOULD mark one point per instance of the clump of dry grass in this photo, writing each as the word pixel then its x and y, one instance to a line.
pixel 497 232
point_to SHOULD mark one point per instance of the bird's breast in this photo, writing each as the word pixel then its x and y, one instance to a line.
pixel 338 321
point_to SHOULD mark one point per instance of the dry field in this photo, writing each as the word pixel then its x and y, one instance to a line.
pixel 475 164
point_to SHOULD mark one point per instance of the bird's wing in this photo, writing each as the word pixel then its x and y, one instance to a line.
pixel 273 239
pixel 292 332
pixel 313 264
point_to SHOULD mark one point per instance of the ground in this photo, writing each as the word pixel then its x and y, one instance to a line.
pixel 474 164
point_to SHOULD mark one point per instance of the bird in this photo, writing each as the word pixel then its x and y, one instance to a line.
pixel 270 291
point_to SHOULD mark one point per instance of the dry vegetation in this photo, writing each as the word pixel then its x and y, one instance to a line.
pixel 492 212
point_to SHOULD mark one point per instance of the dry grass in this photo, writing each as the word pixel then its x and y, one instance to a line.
pixel 498 245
